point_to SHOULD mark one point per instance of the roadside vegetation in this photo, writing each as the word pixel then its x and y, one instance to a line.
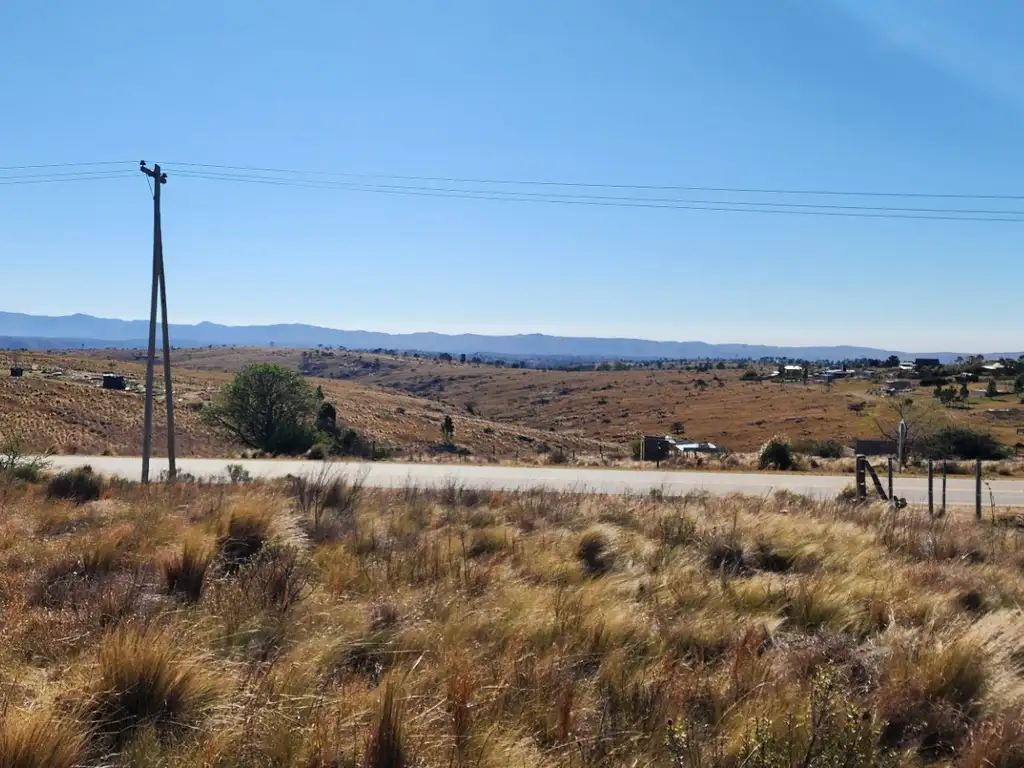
pixel 317 623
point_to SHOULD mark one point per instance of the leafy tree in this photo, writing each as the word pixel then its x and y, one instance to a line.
pixel 777 453
pixel 678 427
pixel 327 418
pixel 462 358
pixel 448 430
pixel 922 419
pixel 1018 384
pixel 992 389
pixel 266 407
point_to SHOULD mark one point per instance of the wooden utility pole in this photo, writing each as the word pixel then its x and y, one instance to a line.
pixel 159 286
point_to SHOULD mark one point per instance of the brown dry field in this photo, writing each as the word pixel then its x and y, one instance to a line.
pixel 70 413
pixel 616 406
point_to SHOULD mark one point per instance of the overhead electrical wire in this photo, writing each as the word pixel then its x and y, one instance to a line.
pixel 597 185
pixel 734 206
pixel 67 165
pixel 56 178
pixel 546 191
pixel 607 198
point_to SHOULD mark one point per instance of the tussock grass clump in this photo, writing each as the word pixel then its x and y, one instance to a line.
pixel 386 747
pixel 79 485
pixel 185 571
pixel 489 541
pixel 40 740
pixel 595 550
pixel 278 578
pixel 147 677
pixel 246 527
pixel 327 500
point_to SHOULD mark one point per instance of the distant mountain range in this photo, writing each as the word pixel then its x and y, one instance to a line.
pixel 21 331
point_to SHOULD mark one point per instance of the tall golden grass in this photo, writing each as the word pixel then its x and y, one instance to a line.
pixel 212 626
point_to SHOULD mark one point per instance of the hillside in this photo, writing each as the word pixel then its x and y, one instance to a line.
pixel 59 405
pixel 616 406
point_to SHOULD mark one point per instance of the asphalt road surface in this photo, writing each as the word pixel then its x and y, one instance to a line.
pixel 960 491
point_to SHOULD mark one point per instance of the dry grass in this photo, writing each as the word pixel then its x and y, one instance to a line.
pixel 209 626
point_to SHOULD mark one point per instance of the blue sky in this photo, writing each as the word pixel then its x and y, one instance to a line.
pixel 916 95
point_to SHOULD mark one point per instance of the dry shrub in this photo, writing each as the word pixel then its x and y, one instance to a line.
pixel 79 485
pixel 185 572
pixel 146 677
pixel 40 740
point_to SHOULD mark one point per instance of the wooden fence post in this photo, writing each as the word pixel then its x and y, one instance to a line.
pixel 931 489
pixel 943 508
pixel 977 489
pixel 892 496
pixel 862 486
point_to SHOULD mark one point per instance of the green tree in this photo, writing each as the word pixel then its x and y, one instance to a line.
pixel 992 389
pixel 266 407
pixel 1018 384
pixel 448 430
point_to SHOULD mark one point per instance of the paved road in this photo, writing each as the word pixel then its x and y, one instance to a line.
pixel 1007 493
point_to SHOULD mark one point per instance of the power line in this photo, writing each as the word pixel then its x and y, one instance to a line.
pixel 67 177
pixel 66 165
pixel 596 185
pixel 696 205
pixel 606 198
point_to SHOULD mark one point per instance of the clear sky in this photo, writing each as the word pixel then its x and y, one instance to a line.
pixel 879 95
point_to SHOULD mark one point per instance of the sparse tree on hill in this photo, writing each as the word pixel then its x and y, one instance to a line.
pixel 922 419
pixel 266 407
pixel 448 430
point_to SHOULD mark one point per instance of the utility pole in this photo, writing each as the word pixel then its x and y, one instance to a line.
pixel 158 286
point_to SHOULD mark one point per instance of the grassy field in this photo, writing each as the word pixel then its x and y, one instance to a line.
pixel 325 626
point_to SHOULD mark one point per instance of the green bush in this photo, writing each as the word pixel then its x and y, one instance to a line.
pixel 961 443
pixel 777 453
pixel 266 407
pixel 80 485
pixel 1018 384
pixel 291 439
pixel 749 375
